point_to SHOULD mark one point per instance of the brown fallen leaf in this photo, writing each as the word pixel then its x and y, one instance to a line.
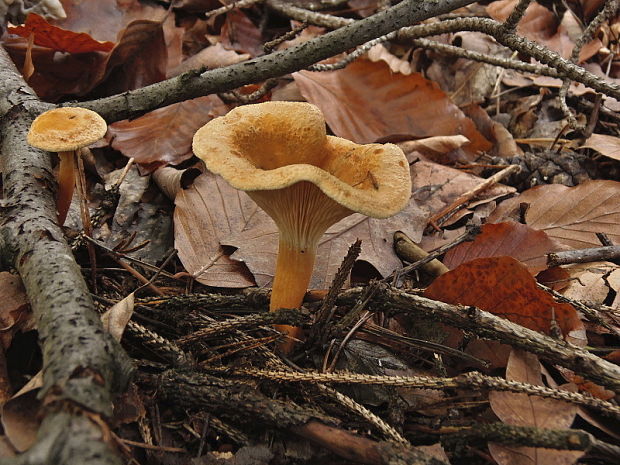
pixel 588 282
pixel 20 418
pixel 15 313
pixel 516 240
pixel 436 186
pixel 571 215
pixel 258 246
pixel 541 25
pixel 115 319
pixel 365 101
pixel 239 33
pixel 211 57
pixel 504 144
pixel 206 213
pixel 105 19
pixel 524 410
pixel 466 81
pixel 604 144
pixel 503 286
pixel 164 136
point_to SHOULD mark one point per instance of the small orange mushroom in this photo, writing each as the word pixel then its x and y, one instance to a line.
pixel 66 130
pixel 279 153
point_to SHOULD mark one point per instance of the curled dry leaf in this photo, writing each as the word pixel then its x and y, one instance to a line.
pixel 211 57
pixel 365 102
pixel 504 144
pixel 171 181
pixel 15 313
pixel 115 319
pixel 503 286
pixel 571 215
pixel 437 149
pixel 397 65
pixel 58 39
pixel 20 419
pixel 164 136
pixel 540 24
pixel 516 240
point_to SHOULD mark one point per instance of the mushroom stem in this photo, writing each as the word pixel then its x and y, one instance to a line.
pixel 293 273
pixel 66 184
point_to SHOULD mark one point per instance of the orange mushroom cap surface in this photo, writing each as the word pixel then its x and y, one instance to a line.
pixel 272 145
pixel 65 129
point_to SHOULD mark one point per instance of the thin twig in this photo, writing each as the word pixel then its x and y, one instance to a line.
pixel 467 196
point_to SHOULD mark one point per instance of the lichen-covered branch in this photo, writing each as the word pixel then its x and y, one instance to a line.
pixel 82 365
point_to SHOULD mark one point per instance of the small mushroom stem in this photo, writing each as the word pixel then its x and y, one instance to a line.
pixel 66 184
pixel 293 272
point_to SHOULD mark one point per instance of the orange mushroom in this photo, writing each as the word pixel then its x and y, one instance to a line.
pixel 66 131
pixel 279 153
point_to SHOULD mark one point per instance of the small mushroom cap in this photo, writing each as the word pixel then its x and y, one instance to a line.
pixel 273 145
pixel 65 129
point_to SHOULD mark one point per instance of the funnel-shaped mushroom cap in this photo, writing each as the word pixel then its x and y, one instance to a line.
pixel 66 129
pixel 279 153
pixel 273 145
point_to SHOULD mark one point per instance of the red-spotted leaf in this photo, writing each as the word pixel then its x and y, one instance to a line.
pixel 503 286
pixel 57 38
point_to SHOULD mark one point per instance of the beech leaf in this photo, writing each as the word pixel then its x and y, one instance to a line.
pixel 604 144
pixel 365 102
pixel 516 240
pixel 572 215
pixel 164 136
pixel 524 410
pixel 206 213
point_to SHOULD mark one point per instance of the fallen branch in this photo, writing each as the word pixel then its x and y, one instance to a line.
pixel 82 365
pixel 489 326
